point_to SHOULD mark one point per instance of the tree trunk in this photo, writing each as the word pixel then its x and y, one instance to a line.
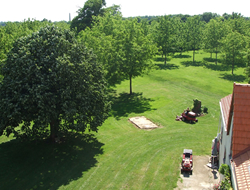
pixel 193 55
pixel 233 63
pixel 211 55
pixel 53 130
pixel 216 56
pixel 130 81
pixel 165 59
pixel 233 66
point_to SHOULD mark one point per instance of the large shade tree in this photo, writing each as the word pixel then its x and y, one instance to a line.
pixel 51 84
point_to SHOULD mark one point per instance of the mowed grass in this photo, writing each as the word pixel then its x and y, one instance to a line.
pixel 121 156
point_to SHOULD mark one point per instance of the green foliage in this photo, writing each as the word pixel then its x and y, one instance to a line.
pixel 225 170
pixel 14 30
pixel 247 72
pixel 226 182
pixel 166 35
pixel 232 48
pixel 51 81
pixel 238 24
pixel 85 15
pixel 207 16
pixel 2 23
pixel 246 54
pixel 104 38
pixel 205 109
pixel 122 46
pixel 194 28
pixel 137 50
pixel 214 32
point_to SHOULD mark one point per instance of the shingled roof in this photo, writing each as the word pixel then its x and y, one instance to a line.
pixel 236 109
pixel 225 106
pixel 241 117
pixel 241 164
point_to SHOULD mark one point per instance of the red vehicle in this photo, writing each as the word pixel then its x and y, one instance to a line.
pixel 187 161
pixel 189 116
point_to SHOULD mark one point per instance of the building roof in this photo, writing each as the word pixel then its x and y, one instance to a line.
pixel 236 109
pixel 241 165
pixel 240 107
pixel 225 106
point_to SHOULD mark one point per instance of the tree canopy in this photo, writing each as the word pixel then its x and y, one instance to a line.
pixel 123 46
pixel 51 84
pixel 232 48
pixel 85 15
pixel 194 33
pixel 214 32
pixel 14 30
pixel 166 35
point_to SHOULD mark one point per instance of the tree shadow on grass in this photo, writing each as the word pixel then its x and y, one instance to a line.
pixel 218 67
pixel 124 104
pixel 161 59
pixel 233 78
pixel 181 56
pixel 209 59
pixel 42 165
pixel 191 63
pixel 167 66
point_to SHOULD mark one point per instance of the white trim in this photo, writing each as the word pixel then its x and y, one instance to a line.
pixel 233 177
pixel 222 116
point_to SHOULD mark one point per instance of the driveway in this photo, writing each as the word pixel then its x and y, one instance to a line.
pixel 203 177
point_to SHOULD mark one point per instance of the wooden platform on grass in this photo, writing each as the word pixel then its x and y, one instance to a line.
pixel 142 122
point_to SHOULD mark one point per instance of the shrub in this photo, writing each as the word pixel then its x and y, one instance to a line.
pixel 205 109
pixel 225 170
pixel 226 183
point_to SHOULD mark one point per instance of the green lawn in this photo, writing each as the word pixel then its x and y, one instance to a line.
pixel 121 156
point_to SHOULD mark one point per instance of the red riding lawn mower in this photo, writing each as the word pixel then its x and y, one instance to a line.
pixel 189 116
pixel 187 161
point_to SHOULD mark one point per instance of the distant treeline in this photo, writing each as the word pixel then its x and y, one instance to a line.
pixel 227 34
pixel 206 17
pixel 44 20
pixel 2 23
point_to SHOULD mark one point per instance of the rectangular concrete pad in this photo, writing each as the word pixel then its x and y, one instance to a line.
pixel 142 122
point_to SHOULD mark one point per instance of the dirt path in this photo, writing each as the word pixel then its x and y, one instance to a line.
pixel 203 178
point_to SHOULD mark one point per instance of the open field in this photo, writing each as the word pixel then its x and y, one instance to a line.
pixel 121 156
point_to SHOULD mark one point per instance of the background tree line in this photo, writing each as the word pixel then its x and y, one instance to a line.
pixel 227 34
pixel 11 31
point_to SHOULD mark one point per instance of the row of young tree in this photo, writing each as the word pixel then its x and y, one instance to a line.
pixel 107 36
pixel 227 34
pixel 230 37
